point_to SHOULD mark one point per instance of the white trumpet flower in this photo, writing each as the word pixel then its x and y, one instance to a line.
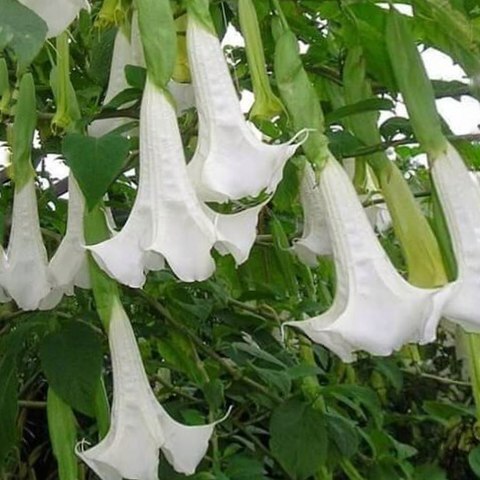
pixel 140 426
pixel 459 196
pixel 69 265
pixel 25 277
pixel 230 162
pixel 57 14
pixel 315 240
pixel 168 221
pixel 374 309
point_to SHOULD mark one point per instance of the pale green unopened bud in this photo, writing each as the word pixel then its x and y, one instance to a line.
pixel 267 105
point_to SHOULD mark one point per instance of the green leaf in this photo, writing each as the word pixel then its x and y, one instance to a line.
pixel 22 30
pixel 72 362
pixel 369 105
pixel 136 76
pixel 474 460
pixel 343 435
pixel 298 438
pixel 95 162
pixel 159 39
pixel 446 412
pixel 8 406
pixel 242 467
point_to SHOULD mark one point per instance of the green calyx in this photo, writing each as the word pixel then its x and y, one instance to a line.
pixel 418 243
pixel 181 72
pixel 23 131
pixel 5 92
pixel 105 290
pixel 159 39
pixel 199 11
pixel 299 96
pixel 414 84
pixel 267 105
pixel 61 120
pixel 113 12
pixel 62 428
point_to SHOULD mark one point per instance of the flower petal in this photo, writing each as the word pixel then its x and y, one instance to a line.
pixel 230 162
pixel 26 277
pixel 140 426
pixel 57 14
pixel 315 240
pixel 459 195
pixel 69 265
pixel 374 309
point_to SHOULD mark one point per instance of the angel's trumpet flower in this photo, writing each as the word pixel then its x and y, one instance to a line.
pixel 168 221
pixel 140 426
pixel 374 309
pixel 315 240
pixel 25 277
pixel 57 14
pixel 459 196
pixel 68 267
pixel 230 162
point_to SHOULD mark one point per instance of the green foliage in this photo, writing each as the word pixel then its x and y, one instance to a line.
pixel 21 30
pixel 298 412
pixel 72 362
pixel 95 162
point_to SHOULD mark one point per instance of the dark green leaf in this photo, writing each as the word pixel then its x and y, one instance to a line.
pixel 8 407
pixel 474 460
pixel 298 438
pixel 95 162
pixel 72 362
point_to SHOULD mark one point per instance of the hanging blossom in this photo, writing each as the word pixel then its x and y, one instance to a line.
pixel 168 221
pixel 68 268
pixel 25 275
pixel 375 309
pixel 230 162
pixel 140 426
pixel 315 240
pixel 57 14
pixel 459 196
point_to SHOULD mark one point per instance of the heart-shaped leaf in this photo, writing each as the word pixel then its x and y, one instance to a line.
pixel 72 362
pixel 95 162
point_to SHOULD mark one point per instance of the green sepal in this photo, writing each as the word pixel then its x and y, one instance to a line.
pixel 200 11
pixel 418 243
pixel 105 290
pixel 266 105
pixel 4 81
pixel 299 96
pixel 62 428
pixel 23 131
pixel 102 410
pixel 414 84
pixel 159 39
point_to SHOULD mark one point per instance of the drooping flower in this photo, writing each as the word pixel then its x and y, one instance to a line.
pixel 140 426
pixel 374 309
pixel 68 267
pixel 57 14
pixel 25 277
pixel 459 196
pixel 230 162
pixel 315 240
pixel 168 221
